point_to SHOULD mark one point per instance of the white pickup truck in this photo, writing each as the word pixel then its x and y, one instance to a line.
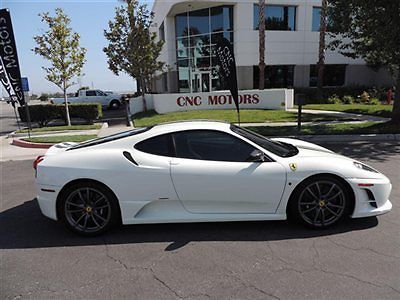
pixel 112 101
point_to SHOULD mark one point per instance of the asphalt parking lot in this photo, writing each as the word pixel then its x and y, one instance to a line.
pixel 246 260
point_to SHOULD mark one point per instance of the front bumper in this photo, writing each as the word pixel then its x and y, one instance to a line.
pixel 372 198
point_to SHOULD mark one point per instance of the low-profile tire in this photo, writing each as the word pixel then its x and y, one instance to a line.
pixel 320 202
pixel 114 104
pixel 88 208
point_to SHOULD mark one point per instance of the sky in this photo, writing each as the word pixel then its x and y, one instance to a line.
pixel 89 18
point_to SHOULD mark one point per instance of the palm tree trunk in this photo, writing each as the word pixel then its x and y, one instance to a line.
pixel 396 102
pixel 261 32
pixel 321 52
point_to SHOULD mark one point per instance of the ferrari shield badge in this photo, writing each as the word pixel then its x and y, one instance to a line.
pixel 293 166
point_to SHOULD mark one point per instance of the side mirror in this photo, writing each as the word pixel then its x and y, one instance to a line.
pixel 257 156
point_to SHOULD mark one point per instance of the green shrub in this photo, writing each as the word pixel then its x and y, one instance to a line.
pixel 374 101
pixel 348 99
pixel 43 114
pixel 88 112
pixel 334 99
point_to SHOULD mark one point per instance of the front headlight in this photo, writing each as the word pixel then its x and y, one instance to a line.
pixel 364 167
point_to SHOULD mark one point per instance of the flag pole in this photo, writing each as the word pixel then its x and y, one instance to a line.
pixel 28 118
pixel 16 116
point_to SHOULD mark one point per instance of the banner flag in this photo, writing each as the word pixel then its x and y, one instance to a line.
pixel 227 68
pixel 10 74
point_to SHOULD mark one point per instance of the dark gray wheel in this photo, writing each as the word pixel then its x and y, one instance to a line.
pixel 115 104
pixel 88 208
pixel 320 202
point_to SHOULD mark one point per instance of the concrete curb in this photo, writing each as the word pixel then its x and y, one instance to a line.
pixel 349 138
pixel 25 144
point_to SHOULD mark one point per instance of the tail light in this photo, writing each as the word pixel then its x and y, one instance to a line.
pixel 37 161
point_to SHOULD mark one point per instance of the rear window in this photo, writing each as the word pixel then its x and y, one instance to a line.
pixel 110 138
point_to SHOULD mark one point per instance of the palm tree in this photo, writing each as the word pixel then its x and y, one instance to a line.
pixel 261 32
pixel 321 51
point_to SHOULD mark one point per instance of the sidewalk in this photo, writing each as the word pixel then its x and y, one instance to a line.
pixel 10 152
pixel 340 114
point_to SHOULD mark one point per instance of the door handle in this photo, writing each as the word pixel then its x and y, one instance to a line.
pixel 174 163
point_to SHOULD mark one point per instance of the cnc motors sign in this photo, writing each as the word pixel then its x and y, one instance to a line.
pixel 248 99
pixel 216 100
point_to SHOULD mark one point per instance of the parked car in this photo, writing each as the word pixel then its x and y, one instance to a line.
pixel 203 171
pixel 112 101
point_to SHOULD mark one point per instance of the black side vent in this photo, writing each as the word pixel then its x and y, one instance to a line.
pixel 129 157
pixel 371 198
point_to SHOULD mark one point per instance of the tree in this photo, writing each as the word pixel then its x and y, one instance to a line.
pixel 261 37
pixel 44 97
pixel 370 30
pixel 133 48
pixel 60 46
pixel 322 48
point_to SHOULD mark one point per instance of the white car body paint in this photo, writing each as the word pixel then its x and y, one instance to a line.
pixel 168 189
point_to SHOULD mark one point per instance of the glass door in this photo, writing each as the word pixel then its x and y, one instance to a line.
pixel 201 81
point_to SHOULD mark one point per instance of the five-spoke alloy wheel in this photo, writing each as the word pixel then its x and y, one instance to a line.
pixel 88 208
pixel 320 202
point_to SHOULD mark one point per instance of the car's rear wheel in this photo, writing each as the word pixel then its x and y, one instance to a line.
pixel 114 104
pixel 88 208
pixel 320 202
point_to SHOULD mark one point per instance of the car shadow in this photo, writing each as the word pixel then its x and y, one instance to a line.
pixel 366 151
pixel 24 227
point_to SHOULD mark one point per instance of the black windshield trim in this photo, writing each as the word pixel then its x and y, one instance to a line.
pixel 290 150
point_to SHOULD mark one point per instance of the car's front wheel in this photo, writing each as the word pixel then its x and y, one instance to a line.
pixel 88 208
pixel 320 202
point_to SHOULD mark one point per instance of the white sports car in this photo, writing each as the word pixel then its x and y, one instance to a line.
pixel 203 171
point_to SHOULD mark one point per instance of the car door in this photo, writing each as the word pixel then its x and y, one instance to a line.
pixel 211 174
pixel 90 97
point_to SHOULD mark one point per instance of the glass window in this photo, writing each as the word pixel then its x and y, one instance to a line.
pixel 199 40
pixel 279 76
pixel 159 145
pixel 181 23
pixel 161 32
pixel 211 145
pixel 277 17
pixel 316 18
pixel 199 22
pixel 334 75
pixel 221 19
pixel 90 93
pixel 197 43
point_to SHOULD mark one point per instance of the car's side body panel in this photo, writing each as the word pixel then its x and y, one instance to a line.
pixel 228 187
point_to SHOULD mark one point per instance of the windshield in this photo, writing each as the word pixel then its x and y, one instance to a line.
pixel 279 148
pixel 110 138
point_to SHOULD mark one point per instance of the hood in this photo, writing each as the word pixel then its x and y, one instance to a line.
pixel 58 148
pixel 302 144
pixel 307 149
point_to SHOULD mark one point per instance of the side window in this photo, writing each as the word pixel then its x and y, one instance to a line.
pixel 90 93
pixel 211 145
pixel 159 145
